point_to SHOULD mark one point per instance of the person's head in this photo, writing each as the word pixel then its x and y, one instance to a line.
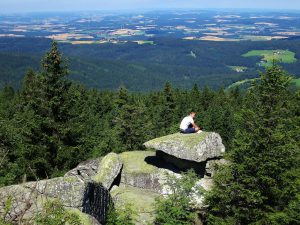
pixel 193 114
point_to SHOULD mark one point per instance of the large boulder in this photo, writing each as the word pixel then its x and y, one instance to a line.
pixel 29 198
pixel 193 147
pixel 108 170
pixel 102 170
pixel 85 170
pixel 143 169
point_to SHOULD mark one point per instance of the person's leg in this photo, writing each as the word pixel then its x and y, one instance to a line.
pixel 190 130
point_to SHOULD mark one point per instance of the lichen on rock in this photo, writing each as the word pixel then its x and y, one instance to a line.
pixel 108 170
pixel 135 162
pixel 85 170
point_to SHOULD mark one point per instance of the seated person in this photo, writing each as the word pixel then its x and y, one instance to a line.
pixel 188 125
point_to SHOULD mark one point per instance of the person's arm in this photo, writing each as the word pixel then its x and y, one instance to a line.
pixel 195 126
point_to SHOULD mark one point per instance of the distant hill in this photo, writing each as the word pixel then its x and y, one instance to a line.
pixel 146 67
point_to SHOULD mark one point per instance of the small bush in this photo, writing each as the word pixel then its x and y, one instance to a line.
pixel 120 216
pixel 54 213
pixel 175 209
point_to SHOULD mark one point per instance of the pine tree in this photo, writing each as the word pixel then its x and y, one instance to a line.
pixel 262 182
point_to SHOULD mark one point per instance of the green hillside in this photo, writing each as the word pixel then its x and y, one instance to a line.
pixel 282 56
pixel 147 67
pixel 247 83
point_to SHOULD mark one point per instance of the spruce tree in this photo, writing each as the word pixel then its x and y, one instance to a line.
pixel 166 118
pixel 42 116
pixel 129 125
pixel 261 184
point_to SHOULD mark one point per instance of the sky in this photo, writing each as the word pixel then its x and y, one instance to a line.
pixel 82 5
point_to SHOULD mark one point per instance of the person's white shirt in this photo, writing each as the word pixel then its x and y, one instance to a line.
pixel 186 122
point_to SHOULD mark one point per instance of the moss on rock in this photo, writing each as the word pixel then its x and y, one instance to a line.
pixel 189 140
pixel 134 162
pixel 108 170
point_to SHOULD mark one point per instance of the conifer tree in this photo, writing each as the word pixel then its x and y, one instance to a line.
pixel 129 126
pixel 166 121
pixel 42 116
pixel 261 185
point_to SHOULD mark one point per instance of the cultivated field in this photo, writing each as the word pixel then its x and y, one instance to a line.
pixel 282 56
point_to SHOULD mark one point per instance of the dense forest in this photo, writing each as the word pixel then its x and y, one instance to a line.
pixel 180 62
pixel 51 124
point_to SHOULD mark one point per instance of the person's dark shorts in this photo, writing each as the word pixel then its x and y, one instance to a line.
pixel 188 130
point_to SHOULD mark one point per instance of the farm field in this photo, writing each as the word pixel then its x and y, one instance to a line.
pixel 282 56
pixel 296 82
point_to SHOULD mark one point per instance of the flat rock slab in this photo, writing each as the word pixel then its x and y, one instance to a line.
pixel 193 147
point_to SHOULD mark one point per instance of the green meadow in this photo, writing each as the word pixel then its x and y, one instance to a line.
pixel 282 56
pixel 296 83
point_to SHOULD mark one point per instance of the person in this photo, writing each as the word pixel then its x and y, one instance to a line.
pixel 188 125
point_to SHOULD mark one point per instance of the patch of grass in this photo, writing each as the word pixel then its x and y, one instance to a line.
pixel 296 83
pixel 282 56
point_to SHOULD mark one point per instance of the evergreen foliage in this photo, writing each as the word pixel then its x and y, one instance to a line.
pixel 175 209
pixel 261 185
pixel 54 213
pixel 122 216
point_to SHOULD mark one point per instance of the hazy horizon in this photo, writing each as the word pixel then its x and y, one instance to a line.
pixel 19 6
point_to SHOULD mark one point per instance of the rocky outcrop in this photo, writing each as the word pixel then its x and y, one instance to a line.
pixel 28 199
pixel 136 178
pixel 192 147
